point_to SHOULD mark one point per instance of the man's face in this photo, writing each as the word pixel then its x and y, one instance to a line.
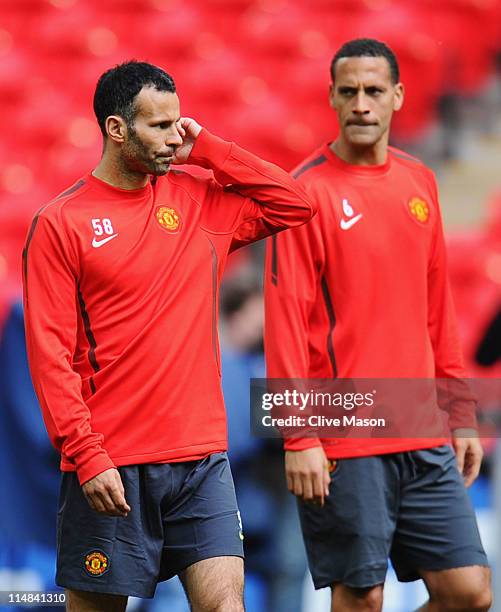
pixel 364 98
pixel 153 138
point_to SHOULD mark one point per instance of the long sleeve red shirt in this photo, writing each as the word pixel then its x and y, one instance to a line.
pixel 121 305
pixel 362 290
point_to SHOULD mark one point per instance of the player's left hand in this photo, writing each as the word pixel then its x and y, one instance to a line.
pixel 469 453
pixel 189 130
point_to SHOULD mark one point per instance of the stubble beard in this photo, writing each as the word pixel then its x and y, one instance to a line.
pixel 138 159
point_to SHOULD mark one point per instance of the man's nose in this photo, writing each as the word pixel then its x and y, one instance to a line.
pixel 174 137
pixel 361 106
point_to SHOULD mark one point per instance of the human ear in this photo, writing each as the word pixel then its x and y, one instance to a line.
pixel 332 93
pixel 398 97
pixel 116 128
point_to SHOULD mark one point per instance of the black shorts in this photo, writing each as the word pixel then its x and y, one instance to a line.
pixel 411 507
pixel 181 513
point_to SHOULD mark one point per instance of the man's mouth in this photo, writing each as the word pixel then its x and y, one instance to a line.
pixel 361 124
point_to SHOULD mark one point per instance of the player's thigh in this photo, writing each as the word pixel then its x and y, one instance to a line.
pixel 86 601
pixel 437 528
pixel 461 588
pixel 215 584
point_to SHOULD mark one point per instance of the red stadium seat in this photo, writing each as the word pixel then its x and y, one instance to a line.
pixel 163 36
pixel 15 68
pixel 273 33
pixel 131 6
pixel 210 83
pixel 468 31
pixel 239 5
pixel 255 71
pixel 76 34
pixel 41 120
pixel 25 5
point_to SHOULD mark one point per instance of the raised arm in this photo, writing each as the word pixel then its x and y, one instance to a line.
pixel 269 199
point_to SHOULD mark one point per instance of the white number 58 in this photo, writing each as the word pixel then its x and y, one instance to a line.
pixel 102 226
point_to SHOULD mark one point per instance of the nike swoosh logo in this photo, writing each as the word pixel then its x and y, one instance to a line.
pixel 345 225
pixel 98 243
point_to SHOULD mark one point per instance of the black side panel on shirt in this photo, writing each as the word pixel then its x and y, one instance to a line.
pixel 403 155
pixel 25 253
pixel 274 260
pixel 311 164
pixel 90 337
pixel 71 190
pixel 332 324
pixel 214 300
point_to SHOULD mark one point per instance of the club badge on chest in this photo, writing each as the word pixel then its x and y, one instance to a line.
pixel 169 219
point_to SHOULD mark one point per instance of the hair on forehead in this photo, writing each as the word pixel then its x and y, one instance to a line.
pixel 118 87
pixel 151 101
pixel 367 47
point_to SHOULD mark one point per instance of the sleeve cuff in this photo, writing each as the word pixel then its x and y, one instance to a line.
pixel 299 444
pixel 93 464
pixel 209 151
pixel 463 421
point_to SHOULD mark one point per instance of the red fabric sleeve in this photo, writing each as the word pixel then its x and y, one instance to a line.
pixel 51 324
pixel 272 200
pixel 294 264
pixel 453 391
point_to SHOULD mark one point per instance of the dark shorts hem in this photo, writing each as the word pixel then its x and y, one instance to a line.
pixel 448 563
pixel 200 556
pixel 361 579
pixel 75 585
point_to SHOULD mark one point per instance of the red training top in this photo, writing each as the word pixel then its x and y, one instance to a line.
pixel 121 305
pixel 362 290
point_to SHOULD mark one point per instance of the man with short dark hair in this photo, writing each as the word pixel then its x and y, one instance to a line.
pixel 121 278
pixel 362 292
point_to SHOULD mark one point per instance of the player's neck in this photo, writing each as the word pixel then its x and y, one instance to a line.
pixel 111 171
pixel 360 156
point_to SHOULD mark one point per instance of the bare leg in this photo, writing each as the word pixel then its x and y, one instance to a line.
pixel 87 601
pixel 215 585
pixel 349 599
pixel 462 589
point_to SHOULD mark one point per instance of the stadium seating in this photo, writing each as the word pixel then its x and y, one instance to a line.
pixel 256 71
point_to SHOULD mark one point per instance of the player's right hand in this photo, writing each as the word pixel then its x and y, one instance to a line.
pixel 105 493
pixel 307 473
pixel 189 130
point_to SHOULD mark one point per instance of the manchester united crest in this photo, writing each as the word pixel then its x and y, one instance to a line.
pixel 96 563
pixel 419 209
pixel 168 218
